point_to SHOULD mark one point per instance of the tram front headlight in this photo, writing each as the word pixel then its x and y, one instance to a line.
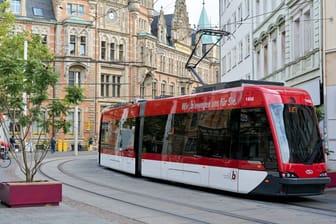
pixel 323 174
pixel 288 175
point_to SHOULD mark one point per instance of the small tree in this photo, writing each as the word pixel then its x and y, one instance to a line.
pixel 25 84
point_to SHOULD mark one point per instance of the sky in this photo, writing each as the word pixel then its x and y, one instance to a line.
pixel 194 8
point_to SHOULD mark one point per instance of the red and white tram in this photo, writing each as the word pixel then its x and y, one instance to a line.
pixel 250 139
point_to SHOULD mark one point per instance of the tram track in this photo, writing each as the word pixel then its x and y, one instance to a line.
pixel 138 204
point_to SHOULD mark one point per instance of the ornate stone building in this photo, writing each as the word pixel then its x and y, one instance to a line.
pixel 118 50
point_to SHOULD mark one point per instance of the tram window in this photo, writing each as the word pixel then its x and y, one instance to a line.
pixel 153 133
pixel 255 139
pixel 213 134
pixel 183 140
pixel 117 134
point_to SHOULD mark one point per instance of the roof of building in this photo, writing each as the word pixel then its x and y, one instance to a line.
pixel 40 9
pixel 203 23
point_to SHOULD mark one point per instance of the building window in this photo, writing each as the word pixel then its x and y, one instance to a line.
pixel 72 78
pixel 283 45
pixel 15 6
pixel 142 90
pixel 172 89
pixel 240 15
pixel 116 86
pixel 296 38
pixel 308 31
pixel 154 88
pixel 71 119
pixel 121 52
pixel 112 51
pixel 163 88
pixel 183 91
pixel 37 126
pixel 37 11
pixel 105 85
pixel 110 85
pixel 240 51
pixel 274 51
pixel 248 46
pixel 82 46
pixel 72 45
pixel 103 50
pixel 75 9
pixel 44 39
pixel 265 59
pixel 247 8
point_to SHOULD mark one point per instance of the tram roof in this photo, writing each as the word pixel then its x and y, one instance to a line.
pixel 247 95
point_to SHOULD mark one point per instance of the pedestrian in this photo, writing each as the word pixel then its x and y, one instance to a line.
pixel 90 143
pixel 52 145
pixel 12 143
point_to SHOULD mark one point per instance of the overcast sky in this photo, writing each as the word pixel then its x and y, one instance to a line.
pixel 194 8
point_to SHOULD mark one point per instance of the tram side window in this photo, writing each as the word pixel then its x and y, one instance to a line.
pixel 255 139
pixel 118 135
pixel 214 135
pixel 153 132
pixel 105 135
pixel 183 138
pixel 126 139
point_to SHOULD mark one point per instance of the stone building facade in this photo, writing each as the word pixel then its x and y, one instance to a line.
pixel 117 50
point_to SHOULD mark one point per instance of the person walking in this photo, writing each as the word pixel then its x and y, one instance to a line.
pixel 12 143
pixel 90 144
pixel 52 145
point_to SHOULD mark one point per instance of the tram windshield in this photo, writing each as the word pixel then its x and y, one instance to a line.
pixel 298 133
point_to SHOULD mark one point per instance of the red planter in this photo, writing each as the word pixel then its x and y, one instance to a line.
pixel 332 176
pixel 20 194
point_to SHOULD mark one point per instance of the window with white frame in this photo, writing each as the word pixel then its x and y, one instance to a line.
pixel 37 126
pixel 82 46
pixel 234 56
pixel 163 88
pixel 72 45
pixel 112 51
pixel 71 119
pixel 172 89
pixel 240 51
pixel 265 48
pixel 247 45
pixel 121 52
pixel 283 44
pixel 274 50
pixel 103 50
pixel 308 31
pixel 154 88
pixel 296 38
pixel 75 9
pixel 110 85
pixel 73 75
pixel 240 15
pixel 247 8
pixel 15 6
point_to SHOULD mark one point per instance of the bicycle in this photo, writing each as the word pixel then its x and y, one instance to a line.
pixel 5 160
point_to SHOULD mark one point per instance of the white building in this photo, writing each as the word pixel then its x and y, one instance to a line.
pixel 236 50
pixel 286 44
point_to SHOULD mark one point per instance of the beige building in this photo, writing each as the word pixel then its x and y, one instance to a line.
pixel 329 68
pixel 117 50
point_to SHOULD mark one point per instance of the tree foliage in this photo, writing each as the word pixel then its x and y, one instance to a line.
pixel 25 87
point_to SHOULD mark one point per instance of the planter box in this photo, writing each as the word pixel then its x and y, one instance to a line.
pixel 332 176
pixel 20 194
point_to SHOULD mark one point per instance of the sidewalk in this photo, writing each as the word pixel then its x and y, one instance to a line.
pixel 66 212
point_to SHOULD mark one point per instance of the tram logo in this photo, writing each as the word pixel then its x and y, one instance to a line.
pixel 309 172
pixel 233 175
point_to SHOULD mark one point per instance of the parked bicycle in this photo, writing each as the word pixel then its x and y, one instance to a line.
pixel 5 159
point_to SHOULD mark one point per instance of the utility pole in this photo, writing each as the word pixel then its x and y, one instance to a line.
pixel 76 120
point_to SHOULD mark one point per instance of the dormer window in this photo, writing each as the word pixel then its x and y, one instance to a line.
pixel 37 12
pixel 15 6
